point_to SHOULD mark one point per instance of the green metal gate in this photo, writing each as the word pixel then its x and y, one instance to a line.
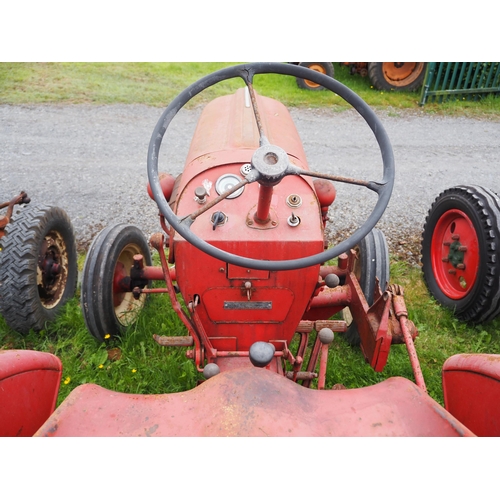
pixel 460 80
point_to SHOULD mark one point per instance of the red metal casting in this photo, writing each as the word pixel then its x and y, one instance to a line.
pixel 455 254
pixel 250 401
pixel 471 387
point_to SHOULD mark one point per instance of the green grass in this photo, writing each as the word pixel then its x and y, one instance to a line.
pixel 144 367
pixel 156 84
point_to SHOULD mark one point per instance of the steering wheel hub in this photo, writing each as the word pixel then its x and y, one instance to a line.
pixel 271 162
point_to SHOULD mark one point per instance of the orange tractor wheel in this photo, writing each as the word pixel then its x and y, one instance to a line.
pixel 405 76
pixel 326 68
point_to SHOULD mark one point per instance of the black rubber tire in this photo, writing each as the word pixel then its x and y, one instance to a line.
pixel 372 264
pixel 35 233
pixel 381 81
pixel 326 69
pixel 482 206
pixel 114 244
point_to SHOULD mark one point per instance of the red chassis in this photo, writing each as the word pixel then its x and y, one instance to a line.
pixel 246 197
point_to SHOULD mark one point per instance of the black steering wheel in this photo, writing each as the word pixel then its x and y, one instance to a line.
pixel 270 164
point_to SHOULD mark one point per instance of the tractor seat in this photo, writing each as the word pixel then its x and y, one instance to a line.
pixel 252 401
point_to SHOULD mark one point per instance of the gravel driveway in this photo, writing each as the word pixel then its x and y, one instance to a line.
pixel 91 161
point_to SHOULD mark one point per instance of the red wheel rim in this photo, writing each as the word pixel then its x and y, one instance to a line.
pixel 455 241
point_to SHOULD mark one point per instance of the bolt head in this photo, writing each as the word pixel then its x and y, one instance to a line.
pixel 326 336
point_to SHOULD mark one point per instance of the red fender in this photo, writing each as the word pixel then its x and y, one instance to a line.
pixel 471 387
pixel 29 383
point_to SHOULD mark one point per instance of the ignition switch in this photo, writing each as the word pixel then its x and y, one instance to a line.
pixel 218 219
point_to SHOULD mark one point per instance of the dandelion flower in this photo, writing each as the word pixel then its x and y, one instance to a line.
pixel 107 336
pixel 134 370
pixel 67 380
pixel 101 366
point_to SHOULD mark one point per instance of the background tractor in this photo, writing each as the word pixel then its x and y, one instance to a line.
pixel 403 76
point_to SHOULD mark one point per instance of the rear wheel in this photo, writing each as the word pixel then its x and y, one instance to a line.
pixel 107 309
pixel 38 266
pixel 326 68
pixel 372 264
pixel 406 76
pixel 460 245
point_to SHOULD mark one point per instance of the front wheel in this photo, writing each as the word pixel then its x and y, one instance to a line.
pixel 460 245
pixel 372 266
pixel 326 68
pixel 38 267
pixel 106 308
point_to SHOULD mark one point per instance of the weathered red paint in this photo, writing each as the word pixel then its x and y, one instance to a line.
pixel 29 383
pixel 471 387
pixel 250 401
pixel 167 183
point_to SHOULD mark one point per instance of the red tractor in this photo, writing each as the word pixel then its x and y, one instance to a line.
pixel 245 263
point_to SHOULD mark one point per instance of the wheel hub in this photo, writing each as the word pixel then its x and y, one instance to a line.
pixel 400 74
pixel 52 270
pixel 454 252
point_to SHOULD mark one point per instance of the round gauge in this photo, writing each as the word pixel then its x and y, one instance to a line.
pixel 226 182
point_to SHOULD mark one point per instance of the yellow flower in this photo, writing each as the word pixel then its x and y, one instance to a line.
pixel 67 380
pixel 101 366
pixel 107 336
pixel 133 370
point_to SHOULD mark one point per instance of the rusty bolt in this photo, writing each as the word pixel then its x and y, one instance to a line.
pixel 452 271
pixel 138 261
pixel 455 237
pixel 461 266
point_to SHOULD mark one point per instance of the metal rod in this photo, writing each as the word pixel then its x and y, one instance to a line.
pixel 264 204
pixel 412 353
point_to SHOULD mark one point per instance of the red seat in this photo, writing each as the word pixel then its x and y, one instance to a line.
pixel 29 384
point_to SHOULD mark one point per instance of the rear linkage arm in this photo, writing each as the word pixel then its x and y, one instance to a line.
pixel 5 219
pixel 380 325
